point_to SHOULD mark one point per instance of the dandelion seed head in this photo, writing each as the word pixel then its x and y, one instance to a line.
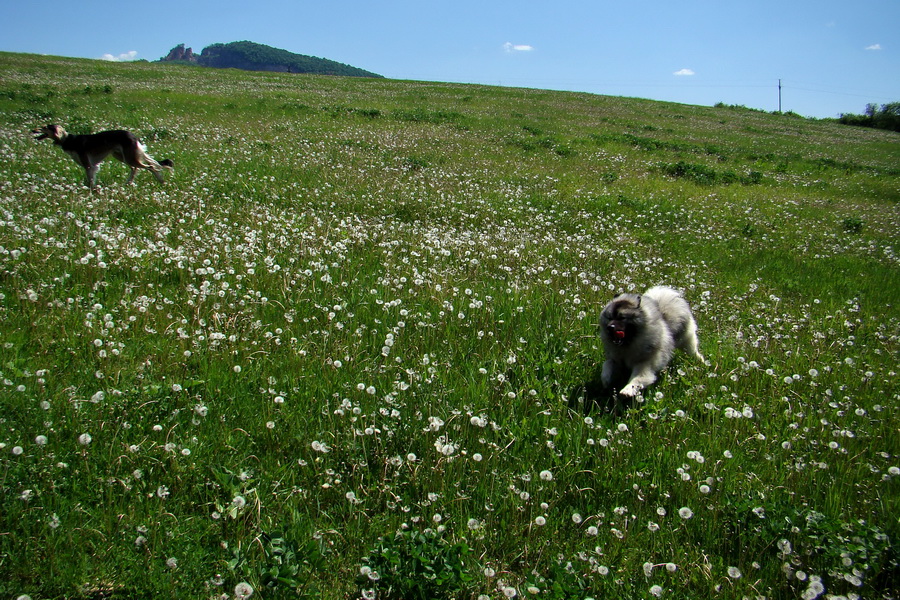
pixel 320 447
pixel 243 590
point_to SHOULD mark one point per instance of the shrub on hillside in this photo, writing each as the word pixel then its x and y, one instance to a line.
pixel 887 117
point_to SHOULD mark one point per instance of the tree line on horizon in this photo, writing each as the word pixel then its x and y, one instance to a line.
pixel 250 56
pixel 887 116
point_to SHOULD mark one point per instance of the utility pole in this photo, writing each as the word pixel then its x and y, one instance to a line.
pixel 779 95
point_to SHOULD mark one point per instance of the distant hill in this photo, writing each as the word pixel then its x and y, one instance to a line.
pixel 250 56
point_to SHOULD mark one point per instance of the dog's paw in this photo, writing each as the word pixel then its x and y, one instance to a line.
pixel 631 390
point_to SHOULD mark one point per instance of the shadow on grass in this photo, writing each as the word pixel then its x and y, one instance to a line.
pixel 592 395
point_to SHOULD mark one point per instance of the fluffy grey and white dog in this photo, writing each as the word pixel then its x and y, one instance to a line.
pixel 639 334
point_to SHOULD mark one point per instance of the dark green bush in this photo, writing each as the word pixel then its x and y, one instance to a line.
pixel 416 565
pixel 887 117
pixel 705 175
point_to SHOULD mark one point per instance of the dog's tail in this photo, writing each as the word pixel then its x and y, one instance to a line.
pixel 147 162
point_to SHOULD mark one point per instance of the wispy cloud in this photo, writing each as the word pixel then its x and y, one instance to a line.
pixel 684 73
pixel 510 47
pixel 874 47
pixel 124 57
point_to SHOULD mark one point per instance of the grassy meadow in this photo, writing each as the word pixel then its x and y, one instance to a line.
pixel 349 349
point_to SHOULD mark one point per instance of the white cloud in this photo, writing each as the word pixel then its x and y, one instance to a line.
pixel 124 57
pixel 684 72
pixel 510 47
pixel 874 47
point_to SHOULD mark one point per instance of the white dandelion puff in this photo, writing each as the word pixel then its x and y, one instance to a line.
pixel 320 447
pixel 243 590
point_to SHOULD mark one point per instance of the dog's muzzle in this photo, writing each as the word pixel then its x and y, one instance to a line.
pixel 616 335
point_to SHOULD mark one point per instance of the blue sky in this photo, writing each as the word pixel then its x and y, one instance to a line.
pixel 832 57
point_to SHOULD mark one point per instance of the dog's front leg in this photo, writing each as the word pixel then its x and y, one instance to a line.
pixel 641 377
pixel 90 168
pixel 91 175
pixel 608 372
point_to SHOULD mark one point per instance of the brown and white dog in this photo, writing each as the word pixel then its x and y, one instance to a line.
pixel 90 150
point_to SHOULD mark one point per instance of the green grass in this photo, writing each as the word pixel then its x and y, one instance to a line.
pixel 337 354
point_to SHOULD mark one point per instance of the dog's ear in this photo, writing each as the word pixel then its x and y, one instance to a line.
pixel 617 295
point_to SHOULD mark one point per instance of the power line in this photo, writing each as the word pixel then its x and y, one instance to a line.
pixel 835 90
pixel 869 96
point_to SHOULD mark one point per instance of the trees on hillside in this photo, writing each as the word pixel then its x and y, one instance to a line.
pixel 251 56
pixel 885 117
pixel 259 57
